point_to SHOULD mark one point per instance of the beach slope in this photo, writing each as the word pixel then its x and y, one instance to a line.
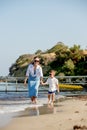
pixel 66 115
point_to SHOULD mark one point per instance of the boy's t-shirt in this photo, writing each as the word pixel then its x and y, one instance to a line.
pixel 52 82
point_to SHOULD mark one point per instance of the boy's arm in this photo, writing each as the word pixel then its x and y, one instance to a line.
pixel 58 88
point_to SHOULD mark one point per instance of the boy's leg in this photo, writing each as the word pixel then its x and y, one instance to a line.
pixel 53 97
pixel 49 95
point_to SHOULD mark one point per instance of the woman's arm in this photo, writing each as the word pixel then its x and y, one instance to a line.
pixel 25 81
pixel 44 83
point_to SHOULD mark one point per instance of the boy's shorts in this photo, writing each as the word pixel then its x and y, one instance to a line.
pixel 50 92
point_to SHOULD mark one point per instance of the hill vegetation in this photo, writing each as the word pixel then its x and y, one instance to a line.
pixel 61 58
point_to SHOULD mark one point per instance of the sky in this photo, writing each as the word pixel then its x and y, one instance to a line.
pixel 30 25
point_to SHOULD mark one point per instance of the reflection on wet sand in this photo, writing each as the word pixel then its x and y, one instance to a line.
pixel 36 111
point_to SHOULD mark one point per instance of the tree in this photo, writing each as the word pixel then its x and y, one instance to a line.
pixel 68 67
pixel 76 53
pixel 38 51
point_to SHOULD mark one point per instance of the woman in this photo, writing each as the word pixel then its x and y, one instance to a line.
pixel 34 75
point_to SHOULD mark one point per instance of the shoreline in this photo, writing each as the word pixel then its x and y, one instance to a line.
pixel 65 115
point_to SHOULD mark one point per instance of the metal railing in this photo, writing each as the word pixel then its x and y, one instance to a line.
pixel 75 80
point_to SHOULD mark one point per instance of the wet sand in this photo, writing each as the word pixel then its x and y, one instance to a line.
pixel 70 114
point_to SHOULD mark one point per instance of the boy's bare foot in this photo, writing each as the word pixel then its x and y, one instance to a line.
pixel 49 102
pixel 52 103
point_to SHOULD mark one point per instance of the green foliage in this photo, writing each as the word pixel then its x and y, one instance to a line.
pixel 38 52
pixel 68 67
pixel 64 60
pixel 69 64
pixel 76 54
pixel 58 47
pixel 81 68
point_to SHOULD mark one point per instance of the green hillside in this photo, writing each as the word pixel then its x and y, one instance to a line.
pixel 61 58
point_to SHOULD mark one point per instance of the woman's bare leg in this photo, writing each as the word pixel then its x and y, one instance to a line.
pixel 33 99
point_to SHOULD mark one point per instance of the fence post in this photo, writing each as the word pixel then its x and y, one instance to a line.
pixel 16 85
pixel 6 89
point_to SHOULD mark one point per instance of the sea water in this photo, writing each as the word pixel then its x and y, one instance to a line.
pixel 14 97
pixel 14 100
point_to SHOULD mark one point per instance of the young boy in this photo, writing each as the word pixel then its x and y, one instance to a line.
pixel 53 86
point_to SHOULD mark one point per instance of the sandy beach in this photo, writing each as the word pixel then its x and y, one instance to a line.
pixel 70 114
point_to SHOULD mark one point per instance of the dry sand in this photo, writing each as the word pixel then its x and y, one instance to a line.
pixel 67 115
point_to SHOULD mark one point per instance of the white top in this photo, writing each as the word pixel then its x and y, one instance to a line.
pixel 30 70
pixel 53 82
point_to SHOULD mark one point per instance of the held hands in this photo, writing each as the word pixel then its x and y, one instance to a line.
pixel 41 82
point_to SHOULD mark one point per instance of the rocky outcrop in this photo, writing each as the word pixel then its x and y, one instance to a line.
pixel 64 60
pixel 19 67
